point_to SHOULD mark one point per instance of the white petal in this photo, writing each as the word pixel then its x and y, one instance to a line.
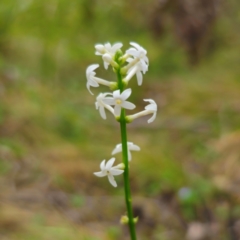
pixel 116 46
pixel 96 105
pixel 146 59
pixel 91 68
pixel 105 65
pixel 137 46
pixel 102 165
pixel 117 110
pixel 100 174
pixel 109 101
pixel 128 105
pixel 126 93
pixel 129 60
pixel 88 88
pixel 152 118
pixel 152 106
pixel 119 145
pixel 149 100
pixel 100 49
pixel 134 148
pixel 116 172
pixel 132 52
pixel 117 149
pixel 92 82
pixel 116 94
pixel 139 78
pixel 110 163
pixel 102 112
pixel 108 46
pixel 129 156
pixel 144 66
pixel 109 108
pixel 112 180
pixel 107 58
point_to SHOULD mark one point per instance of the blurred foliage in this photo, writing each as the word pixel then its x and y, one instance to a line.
pixel 52 138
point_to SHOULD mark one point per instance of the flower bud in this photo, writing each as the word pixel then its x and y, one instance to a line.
pixel 121 166
pixel 113 86
pixel 135 220
pixel 100 48
pixel 118 55
pixel 124 220
pixel 108 59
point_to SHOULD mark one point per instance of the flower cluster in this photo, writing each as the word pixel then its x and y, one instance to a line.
pixel 133 62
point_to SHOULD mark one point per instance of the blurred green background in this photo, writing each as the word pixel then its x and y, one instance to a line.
pixel 185 181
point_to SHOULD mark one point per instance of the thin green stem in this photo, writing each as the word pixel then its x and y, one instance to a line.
pixel 128 199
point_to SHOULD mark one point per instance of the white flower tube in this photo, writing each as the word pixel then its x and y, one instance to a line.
pixel 149 109
pixel 136 69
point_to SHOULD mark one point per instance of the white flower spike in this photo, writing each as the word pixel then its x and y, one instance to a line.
pixel 100 105
pixel 107 52
pixel 131 147
pixel 126 65
pixel 110 171
pixel 119 100
pixel 149 109
pixel 93 81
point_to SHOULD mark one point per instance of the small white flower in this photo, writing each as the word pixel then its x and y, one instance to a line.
pixel 149 109
pixel 107 49
pixel 93 81
pixel 131 147
pixel 138 64
pixel 139 53
pixel 136 69
pixel 119 100
pixel 100 105
pixel 110 171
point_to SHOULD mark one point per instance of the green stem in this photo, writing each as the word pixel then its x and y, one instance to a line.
pixel 128 198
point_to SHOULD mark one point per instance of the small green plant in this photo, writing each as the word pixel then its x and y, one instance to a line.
pixel 133 62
